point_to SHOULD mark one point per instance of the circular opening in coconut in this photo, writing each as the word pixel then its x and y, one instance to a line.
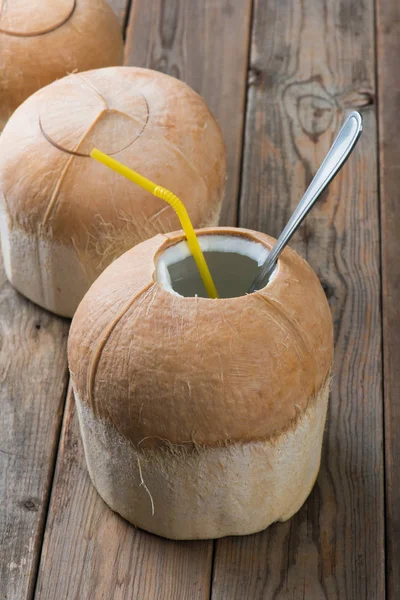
pixel 233 261
pixel 23 18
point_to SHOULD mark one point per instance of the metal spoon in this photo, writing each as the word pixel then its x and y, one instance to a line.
pixel 339 151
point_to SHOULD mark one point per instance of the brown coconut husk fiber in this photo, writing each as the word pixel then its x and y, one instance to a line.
pixel 200 417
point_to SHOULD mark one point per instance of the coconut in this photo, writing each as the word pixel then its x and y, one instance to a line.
pixel 202 418
pixel 43 40
pixel 63 216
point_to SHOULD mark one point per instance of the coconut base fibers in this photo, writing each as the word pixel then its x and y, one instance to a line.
pixel 194 492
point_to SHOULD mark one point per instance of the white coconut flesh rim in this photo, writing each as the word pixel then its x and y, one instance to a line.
pixel 233 262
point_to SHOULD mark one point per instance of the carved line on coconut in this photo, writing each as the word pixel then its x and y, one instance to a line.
pixel 103 338
pixel 93 87
pixel 59 181
pixel 75 152
pixel 38 33
pixel 106 110
pixel 53 143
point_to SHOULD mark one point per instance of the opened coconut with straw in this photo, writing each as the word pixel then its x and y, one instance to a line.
pixel 63 217
pixel 43 40
pixel 202 416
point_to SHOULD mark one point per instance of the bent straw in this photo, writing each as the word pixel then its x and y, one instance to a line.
pixel 176 204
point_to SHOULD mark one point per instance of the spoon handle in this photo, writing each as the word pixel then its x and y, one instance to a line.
pixel 334 160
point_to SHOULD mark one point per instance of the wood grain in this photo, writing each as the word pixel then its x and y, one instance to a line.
pixel 90 552
pixel 33 376
pixel 206 45
pixel 310 63
pixel 389 129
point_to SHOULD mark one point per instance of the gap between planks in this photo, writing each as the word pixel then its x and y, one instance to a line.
pixel 388 48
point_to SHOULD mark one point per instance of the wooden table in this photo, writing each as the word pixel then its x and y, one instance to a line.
pixel 280 75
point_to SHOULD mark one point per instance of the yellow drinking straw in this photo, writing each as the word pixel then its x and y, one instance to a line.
pixel 178 207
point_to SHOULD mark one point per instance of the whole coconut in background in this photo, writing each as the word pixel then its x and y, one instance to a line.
pixel 43 40
pixel 64 217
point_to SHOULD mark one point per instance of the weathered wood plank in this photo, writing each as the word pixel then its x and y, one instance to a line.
pixel 388 32
pixel 33 378
pixel 91 552
pixel 206 45
pixel 310 63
